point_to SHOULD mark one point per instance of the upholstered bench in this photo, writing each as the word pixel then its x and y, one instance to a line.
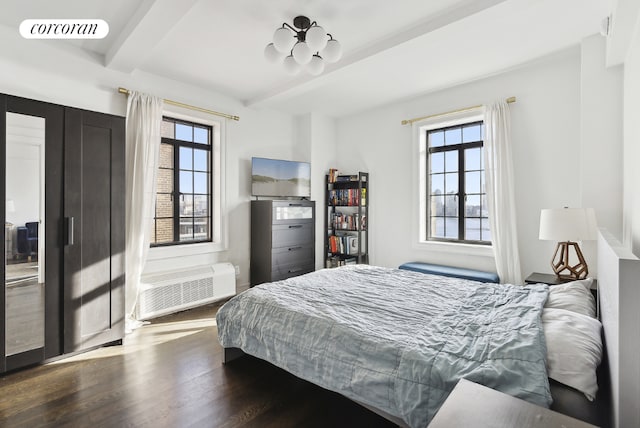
pixel 456 272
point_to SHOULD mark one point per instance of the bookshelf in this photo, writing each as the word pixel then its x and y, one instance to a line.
pixel 346 222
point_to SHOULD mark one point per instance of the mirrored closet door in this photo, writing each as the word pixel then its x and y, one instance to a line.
pixel 31 135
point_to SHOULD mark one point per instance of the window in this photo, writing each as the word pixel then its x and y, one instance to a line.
pixel 456 205
pixel 183 188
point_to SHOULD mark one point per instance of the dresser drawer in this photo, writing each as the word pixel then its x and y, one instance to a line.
pixel 292 254
pixel 291 235
pixel 290 270
pixel 285 212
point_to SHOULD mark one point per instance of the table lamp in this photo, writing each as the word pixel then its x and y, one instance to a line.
pixel 567 226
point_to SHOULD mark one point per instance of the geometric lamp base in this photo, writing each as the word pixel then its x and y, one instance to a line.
pixel 562 266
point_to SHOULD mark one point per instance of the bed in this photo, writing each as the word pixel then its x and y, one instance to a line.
pixel 398 341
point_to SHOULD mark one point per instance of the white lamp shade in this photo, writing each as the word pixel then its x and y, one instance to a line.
pixel 283 40
pixel 568 224
pixel 301 53
pixel 272 54
pixel 332 52
pixel 291 66
pixel 316 38
pixel 315 66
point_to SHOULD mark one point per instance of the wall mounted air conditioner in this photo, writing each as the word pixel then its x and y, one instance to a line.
pixel 172 291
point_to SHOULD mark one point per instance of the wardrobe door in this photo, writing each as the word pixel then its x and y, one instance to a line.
pixel 31 148
pixel 94 210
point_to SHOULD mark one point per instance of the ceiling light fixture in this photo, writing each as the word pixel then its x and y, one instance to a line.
pixel 306 46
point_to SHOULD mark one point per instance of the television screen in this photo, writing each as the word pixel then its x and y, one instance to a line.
pixel 275 177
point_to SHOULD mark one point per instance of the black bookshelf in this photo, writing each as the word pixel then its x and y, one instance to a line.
pixel 347 199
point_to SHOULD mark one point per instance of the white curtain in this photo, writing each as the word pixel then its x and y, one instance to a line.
pixel 500 192
pixel 144 117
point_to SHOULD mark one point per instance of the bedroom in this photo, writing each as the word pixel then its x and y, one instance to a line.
pixel 568 103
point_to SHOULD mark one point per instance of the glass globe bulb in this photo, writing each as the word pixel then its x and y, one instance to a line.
pixel 283 40
pixel 302 53
pixel 315 66
pixel 291 66
pixel 272 54
pixel 316 38
pixel 332 52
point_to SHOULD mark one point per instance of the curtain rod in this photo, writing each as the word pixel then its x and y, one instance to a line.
pixel 190 107
pixel 415 119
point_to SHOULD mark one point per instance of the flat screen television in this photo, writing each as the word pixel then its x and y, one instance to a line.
pixel 281 178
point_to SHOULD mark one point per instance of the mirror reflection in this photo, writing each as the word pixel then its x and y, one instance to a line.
pixel 24 233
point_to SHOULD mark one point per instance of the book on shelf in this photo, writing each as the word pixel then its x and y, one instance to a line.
pixel 346 178
pixel 346 197
pixel 346 244
pixel 351 222
pixel 333 174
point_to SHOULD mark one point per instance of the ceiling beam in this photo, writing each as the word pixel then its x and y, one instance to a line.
pixel 153 20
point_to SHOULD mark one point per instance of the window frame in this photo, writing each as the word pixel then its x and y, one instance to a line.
pixel 218 236
pixel 461 171
pixel 419 186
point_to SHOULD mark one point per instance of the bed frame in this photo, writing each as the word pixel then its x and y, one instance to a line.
pixel 619 296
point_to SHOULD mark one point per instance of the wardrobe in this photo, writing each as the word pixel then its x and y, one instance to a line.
pixel 63 169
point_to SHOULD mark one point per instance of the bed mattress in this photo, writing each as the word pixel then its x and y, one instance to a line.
pixel 392 339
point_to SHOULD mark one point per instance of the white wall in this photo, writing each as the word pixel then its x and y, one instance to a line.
pixel 631 133
pixel 546 134
pixel 63 74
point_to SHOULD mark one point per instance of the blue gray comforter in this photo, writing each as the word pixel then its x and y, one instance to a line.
pixel 393 339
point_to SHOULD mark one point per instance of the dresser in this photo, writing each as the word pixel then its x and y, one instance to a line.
pixel 282 239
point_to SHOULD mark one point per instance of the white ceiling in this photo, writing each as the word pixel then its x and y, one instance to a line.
pixel 392 50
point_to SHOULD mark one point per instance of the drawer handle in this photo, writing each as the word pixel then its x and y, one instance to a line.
pixel 295 226
pixel 294 248
pixel 295 205
pixel 295 270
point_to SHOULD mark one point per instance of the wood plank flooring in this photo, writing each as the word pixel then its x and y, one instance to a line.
pixel 170 374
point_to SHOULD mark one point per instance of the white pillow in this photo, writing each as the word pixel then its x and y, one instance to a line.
pixel 574 349
pixel 574 296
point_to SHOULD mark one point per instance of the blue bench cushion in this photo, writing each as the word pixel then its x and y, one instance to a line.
pixel 456 272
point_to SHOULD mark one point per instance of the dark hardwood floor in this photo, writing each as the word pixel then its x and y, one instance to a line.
pixel 169 374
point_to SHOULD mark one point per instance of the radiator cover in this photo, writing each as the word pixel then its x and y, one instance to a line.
pixel 171 291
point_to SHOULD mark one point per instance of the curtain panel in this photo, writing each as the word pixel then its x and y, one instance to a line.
pixel 144 118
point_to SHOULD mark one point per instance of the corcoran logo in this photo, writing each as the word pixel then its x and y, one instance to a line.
pixel 64 29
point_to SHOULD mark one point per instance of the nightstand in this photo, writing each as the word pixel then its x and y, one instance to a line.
pixel 474 405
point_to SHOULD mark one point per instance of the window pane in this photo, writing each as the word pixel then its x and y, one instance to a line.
pixel 472 206
pixel 200 135
pixel 167 129
pixel 436 139
pixel 201 228
pixel 452 136
pixel 437 162
pixel 472 182
pixel 165 158
pixel 164 205
pixel 186 182
pixel 200 205
pixel 451 227
pixel 201 160
pixel 186 228
pixel 451 183
pixel 471 133
pixel 437 205
pixel 164 181
pixel 186 205
pixel 486 230
pixel 472 229
pixel 186 158
pixel 200 182
pixel 164 230
pixel 437 227
pixel 451 161
pixel 451 206
pixel 472 159
pixel 184 132
pixel 437 184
